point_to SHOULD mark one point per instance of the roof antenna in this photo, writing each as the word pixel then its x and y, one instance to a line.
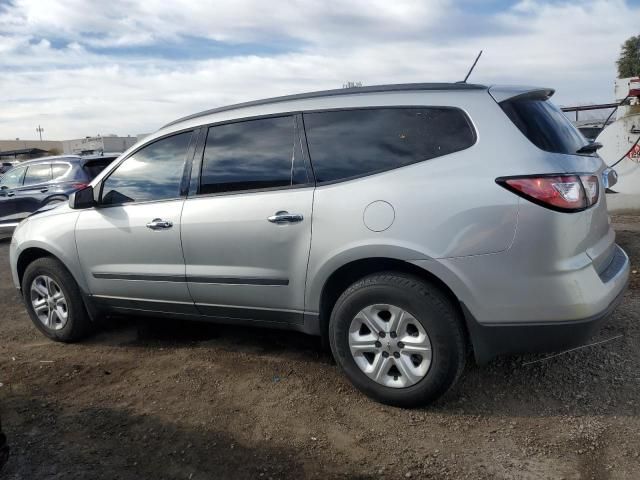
pixel 472 67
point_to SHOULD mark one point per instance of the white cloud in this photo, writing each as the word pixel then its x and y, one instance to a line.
pixel 55 74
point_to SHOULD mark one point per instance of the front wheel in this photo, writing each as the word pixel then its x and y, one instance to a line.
pixel 398 339
pixel 54 301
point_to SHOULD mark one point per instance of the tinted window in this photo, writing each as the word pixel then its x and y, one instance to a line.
pixel 152 173
pixel 13 178
pixel 94 167
pixel 358 142
pixel 59 170
pixel 544 125
pixel 38 174
pixel 250 155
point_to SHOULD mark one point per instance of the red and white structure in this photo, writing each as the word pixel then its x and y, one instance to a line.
pixel 621 139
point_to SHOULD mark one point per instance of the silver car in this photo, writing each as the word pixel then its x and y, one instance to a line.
pixel 406 225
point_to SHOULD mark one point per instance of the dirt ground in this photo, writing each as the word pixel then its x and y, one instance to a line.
pixel 161 399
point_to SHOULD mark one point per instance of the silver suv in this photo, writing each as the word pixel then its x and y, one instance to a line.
pixel 404 224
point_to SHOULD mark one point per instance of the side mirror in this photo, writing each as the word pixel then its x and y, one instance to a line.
pixel 82 199
pixel 3 187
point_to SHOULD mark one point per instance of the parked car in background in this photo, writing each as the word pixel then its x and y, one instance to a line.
pixel 32 184
pixel 4 166
pixel 405 224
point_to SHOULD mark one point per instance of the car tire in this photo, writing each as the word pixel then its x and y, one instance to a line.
pixel 70 322
pixel 429 317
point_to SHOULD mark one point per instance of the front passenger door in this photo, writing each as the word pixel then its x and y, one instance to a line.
pixel 9 182
pixel 129 246
pixel 29 197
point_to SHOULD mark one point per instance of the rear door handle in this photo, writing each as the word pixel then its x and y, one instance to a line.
pixel 285 217
pixel 10 194
pixel 44 190
pixel 159 224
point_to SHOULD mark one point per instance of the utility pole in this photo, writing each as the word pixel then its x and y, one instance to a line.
pixel 40 130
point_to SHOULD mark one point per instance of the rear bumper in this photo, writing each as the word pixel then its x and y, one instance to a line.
pixel 510 307
pixel 490 341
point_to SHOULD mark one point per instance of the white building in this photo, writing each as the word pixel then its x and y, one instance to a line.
pixel 99 144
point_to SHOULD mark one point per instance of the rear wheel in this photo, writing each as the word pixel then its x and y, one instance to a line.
pixel 398 339
pixel 54 301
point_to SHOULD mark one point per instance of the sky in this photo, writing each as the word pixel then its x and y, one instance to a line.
pixel 84 67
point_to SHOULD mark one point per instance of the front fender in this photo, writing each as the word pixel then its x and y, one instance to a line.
pixel 53 233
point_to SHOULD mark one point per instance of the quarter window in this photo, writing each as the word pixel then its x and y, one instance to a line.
pixel 350 143
pixel 255 154
pixel 40 173
pixel 152 173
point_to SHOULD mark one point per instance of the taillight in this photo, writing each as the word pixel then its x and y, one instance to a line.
pixel 563 193
pixel 79 186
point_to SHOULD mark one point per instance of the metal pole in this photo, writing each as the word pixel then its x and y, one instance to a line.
pixel 40 130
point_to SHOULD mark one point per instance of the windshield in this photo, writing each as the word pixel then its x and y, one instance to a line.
pixel 544 125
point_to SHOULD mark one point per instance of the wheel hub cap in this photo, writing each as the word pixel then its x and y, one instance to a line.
pixel 48 302
pixel 390 346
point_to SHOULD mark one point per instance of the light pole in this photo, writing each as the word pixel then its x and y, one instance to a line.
pixel 40 130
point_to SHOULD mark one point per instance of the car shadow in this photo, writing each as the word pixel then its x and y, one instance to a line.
pixel 169 333
pixel 52 440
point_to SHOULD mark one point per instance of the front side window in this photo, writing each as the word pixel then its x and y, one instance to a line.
pixel 40 173
pixel 152 173
pixel 255 154
pixel 351 143
pixel 13 178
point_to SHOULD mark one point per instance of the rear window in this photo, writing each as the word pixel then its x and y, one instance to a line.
pixel 544 125
pixel 351 143
pixel 94 167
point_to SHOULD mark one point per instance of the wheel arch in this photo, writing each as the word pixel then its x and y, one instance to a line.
pixel 340 279
pixel 34 250
pixel 28 256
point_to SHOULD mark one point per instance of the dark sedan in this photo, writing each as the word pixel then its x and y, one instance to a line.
pixel 33 184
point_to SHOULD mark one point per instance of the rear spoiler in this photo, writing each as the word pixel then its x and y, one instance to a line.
pixel 501 93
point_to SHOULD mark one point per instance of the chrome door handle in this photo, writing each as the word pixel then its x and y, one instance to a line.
pixel 159 224
pixel 285 217
pixel 10 194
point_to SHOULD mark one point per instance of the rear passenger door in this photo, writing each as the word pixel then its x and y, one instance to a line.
pixel 246 226
pixel 34 190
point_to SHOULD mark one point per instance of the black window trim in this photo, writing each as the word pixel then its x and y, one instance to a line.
pixel 194 186
pixel 466 116
pixel 187 160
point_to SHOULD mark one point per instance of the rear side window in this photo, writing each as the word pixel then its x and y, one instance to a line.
pixel 60 170
pixel 94 167
pixel 38 174
pixel 544 125
pixel 256 154
pixel 352 143
pixel 152 173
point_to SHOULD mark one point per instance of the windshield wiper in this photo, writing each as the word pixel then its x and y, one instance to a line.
pixel 589 148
